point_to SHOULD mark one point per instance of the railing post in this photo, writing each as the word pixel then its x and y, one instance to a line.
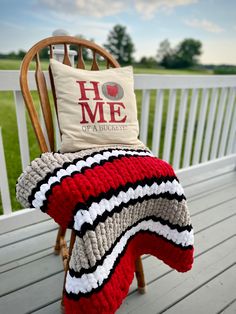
pixel 4 187
pixel 180 129
pixel 22 129
pixel 156 135
pixel 190 129
pixel 144 116
pixel 231 146
pixel 169 125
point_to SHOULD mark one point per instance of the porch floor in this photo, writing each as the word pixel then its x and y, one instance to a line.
pixel 31 276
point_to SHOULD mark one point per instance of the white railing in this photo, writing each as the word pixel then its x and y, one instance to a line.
pixel 185 120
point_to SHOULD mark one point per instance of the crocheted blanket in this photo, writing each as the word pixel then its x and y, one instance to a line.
pixel 122 202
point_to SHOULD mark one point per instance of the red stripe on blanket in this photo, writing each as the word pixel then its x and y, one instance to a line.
pixel 92 182
pixel 110 297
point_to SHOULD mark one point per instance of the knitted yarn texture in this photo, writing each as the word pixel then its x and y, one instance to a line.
pixel 122 202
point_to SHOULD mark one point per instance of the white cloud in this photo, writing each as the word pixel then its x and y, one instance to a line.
pixel 88 26
pixel 205 25
pixel 148 9
pixel 101 8
pixel 95 8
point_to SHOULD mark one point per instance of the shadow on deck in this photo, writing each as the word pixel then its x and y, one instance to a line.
pixel 31 276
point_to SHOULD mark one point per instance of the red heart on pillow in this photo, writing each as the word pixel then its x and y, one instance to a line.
pixel 112 90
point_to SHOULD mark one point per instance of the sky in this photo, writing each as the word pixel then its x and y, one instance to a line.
pixel 213 22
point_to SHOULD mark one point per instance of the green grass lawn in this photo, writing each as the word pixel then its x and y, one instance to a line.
pixel 138 70
pixel 9 125
pixel 6 64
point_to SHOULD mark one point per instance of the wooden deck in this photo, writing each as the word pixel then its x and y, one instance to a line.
pixel 31 276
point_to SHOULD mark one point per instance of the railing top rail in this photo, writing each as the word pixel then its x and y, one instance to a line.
pixel 154 81
pixel 9 80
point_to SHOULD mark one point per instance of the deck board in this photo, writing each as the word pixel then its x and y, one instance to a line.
pixel 29 298
pixel 28 247
pixel 230 308
pixel 31 272
pixel 53 308
pixel 27 251
pixel 174 286
pixel 216 235
pixel 206 186
pixel 220 289
pixel 31 276
pixel 27 232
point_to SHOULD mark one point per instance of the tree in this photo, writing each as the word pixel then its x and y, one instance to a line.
pixel 188 52
pixel 165 54
pixel 148 62
pixel 120 45
pixel 21 54
pixel 183 56
pixel 44 53
pixel 164 50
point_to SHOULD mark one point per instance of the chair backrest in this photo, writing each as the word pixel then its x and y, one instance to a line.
pixel 33 55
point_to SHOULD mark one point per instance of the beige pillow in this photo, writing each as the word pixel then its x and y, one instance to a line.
pixel 95 107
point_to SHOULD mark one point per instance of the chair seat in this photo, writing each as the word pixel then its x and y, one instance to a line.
pixel 121 202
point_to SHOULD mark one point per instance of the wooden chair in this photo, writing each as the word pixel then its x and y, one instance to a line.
pixel 33 55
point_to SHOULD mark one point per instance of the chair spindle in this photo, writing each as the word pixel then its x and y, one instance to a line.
pixel 94 64
pixel 66 59
pixel 80 62
pixel 44 101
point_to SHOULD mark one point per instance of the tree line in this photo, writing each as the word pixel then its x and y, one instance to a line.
pixel 184 55
pixel 120 44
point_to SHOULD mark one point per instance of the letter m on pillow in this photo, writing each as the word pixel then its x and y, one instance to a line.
pixel 85 106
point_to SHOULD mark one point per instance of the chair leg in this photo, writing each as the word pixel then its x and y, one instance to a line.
pixel 140 276
pixel 60 234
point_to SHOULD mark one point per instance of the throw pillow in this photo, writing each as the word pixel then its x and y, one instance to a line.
pixel 95 108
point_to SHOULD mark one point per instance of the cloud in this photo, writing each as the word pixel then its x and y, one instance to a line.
pixel 100 8
pixel 148 9
pixel 205 25
pixel 95 8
